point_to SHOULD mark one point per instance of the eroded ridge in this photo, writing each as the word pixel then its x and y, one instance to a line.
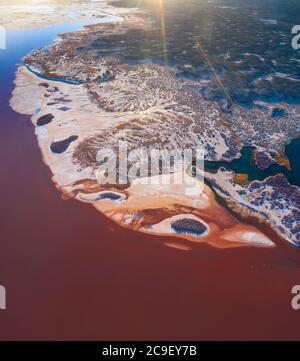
pixel 273 200
pixel 118 87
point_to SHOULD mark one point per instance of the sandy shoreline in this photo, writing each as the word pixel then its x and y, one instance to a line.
pixel 83 119
pixel 146 105
pixel 73 274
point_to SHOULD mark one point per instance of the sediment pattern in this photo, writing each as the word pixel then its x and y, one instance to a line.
pixel 97 102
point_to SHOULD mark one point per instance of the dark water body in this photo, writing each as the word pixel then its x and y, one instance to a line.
pixel 246 165
pixel 293 154
pixel 104 78
pixel 20 43
pixel 57 79
pixel 243 48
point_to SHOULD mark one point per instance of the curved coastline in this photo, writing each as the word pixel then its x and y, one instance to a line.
pixel 54 79
pixel 88 132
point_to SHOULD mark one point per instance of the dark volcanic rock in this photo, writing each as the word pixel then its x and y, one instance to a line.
pixel 45 119
pixel 62 145
pixel 51 103
pixel 64 109
pixel 53 89
pixel 45 85
pixel 63 100
pixel 263 160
